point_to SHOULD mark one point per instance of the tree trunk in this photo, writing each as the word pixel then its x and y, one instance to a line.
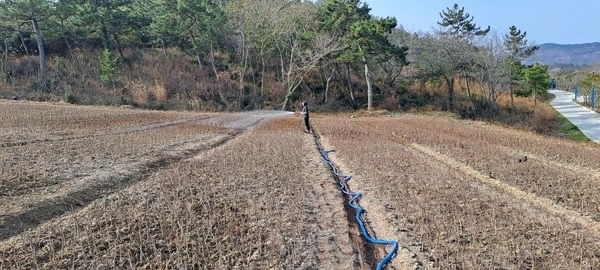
pixel 510 87
pixel 244 67
pixel 214 68
pixel 23 42
pixel 5 71
pixel 40 43
pixel 512 101
pixel 118 43
pixel 69 48
pixel 212 62
pixel 468 88
pixel 312 92
pixel 350 83
pixel 164 48
pixel 262 75
pixel 105 36
pixel 369 86
pixel 289 94
pixel 369 83
pixel 450 87
pixel 327 82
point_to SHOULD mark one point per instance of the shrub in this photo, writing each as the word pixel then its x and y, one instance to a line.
pixel 69 97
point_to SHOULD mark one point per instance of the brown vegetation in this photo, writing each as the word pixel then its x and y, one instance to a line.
pixel 261 200
pixel 466 195
pixel 109 188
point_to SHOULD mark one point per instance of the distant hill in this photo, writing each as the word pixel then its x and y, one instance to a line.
pixel 576 54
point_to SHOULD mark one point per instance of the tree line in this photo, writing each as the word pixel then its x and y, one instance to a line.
pixel 248 54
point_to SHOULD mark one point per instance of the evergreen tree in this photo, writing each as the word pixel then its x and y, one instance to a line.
pixel 537 80
pixel 456 51
pixel 364 36
pixel 108 69
pixel 460 24
pixel 106 24
pixel 516 44
pixel 31 11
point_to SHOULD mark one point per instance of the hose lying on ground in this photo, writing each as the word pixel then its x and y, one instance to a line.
pixel 354 204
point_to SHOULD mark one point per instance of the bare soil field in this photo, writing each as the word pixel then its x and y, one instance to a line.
pixel 110 188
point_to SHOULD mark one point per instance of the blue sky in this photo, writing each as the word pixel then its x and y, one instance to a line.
pixel 545 21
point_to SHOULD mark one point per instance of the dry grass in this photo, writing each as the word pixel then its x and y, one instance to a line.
pixel 107 188
pixel 262 200
pixel 461 195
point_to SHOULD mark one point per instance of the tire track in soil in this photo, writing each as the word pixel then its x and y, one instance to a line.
pixel 369 255
pixel 539 202
pixel 88 189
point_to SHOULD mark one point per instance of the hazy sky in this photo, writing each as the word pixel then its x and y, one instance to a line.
pixel 545 21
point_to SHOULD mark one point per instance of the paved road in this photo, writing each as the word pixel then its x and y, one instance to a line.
pixel 585 119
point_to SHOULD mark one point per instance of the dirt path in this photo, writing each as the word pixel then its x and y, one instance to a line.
pixel 373 216
pixel 335 240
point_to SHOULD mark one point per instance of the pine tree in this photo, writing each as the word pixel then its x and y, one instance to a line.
pixel 364 35
pixel 457 35
pixel 516 44
pixel 460 24
pixel 34 11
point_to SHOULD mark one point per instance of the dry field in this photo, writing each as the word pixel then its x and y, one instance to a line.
pixel 466 195
pixel 108 188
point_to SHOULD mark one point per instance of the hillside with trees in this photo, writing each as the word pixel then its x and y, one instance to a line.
pixel 230 55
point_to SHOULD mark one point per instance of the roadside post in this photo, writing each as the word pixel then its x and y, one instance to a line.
pixel 575 90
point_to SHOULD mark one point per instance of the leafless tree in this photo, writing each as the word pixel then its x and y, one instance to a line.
pixel 492 69
pixel 301 47
pixel 443 56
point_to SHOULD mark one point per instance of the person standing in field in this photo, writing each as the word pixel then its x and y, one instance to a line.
pixel 305 117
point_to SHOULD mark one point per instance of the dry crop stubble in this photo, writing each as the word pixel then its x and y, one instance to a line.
pixel 262 200
pixel 28 122
pixel 451 219
pixel 559 170
pixel 40 177
pixel 86 153
pixel 265 200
